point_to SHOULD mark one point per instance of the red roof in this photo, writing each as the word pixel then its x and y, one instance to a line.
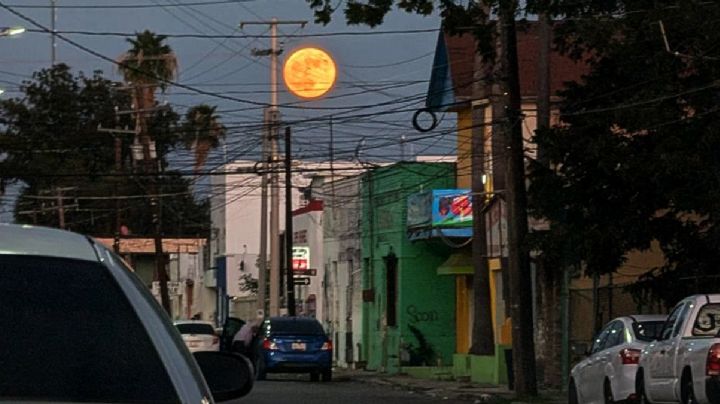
pixel 562 68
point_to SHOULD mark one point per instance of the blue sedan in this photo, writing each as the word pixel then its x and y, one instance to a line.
pixel 294 345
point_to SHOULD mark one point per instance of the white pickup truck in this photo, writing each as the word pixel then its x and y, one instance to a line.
pixel 683 365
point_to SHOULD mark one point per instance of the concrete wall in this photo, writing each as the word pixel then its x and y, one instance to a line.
pixel 425 301
pixel 342 258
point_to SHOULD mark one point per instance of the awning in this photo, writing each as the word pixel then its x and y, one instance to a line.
pixel 459 263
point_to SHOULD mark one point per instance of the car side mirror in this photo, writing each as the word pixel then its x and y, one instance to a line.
pixel 228 375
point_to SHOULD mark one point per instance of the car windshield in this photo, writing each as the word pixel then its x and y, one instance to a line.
pixel 296 327
pixel 69 334
pixel 707 322
pixel 647 331
pixel 191 328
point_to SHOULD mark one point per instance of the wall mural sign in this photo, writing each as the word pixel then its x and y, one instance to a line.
pixel 418 316
pixel 301 259
pixel 452 208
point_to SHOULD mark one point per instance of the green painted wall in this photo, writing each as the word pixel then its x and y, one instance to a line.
pixel 425 300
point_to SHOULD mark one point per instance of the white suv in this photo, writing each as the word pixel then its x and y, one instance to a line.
pixel 69 308
pixel 608 373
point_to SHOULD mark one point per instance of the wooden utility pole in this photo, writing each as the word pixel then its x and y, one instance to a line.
pixel 523 346
pixel 272 122
pixel 61 208
pixel 483 329
pixel 289 279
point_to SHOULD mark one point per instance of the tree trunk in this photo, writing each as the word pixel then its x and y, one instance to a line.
pixel 519 274
pixel 549 327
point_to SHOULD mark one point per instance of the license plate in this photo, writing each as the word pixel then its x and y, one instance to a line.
pixel 193 344
pixel 298 346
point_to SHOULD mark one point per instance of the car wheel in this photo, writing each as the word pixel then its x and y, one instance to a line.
pixel 327 375
pixel 260 373
pixel 314 376
pixel 687 392
pixel 607 393
pixel 640 389
pixel 572 393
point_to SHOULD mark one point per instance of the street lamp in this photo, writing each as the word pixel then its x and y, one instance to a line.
pixel 11 31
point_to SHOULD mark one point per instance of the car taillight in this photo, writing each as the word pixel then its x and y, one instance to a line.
pixel 712 366
pixel 630 356
pixel 327 346
pixel 215 340
pixel 269 345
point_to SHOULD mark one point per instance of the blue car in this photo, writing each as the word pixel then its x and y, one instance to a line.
pixel 293 345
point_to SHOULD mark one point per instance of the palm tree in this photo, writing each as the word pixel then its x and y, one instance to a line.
pixel 202 131
pixel 148 65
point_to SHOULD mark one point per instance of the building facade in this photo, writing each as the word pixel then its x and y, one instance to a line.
pixel 341 229
pixel 408 309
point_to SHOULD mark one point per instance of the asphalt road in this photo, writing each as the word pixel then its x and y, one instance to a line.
pixel 299 389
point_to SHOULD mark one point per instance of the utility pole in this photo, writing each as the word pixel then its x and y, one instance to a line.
pixel 521 301
pixel 273 121
pixel 289 281
pixel 118 169
pixel 53 44
pixel 262 271
pixel 61 208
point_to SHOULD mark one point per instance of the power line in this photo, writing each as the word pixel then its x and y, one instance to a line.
pixel 243 36
pixel 128 6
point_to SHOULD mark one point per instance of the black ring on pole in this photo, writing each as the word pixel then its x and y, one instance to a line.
pixel 417 114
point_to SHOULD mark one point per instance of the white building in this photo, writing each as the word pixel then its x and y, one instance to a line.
pixel 343 280
pixel 235 205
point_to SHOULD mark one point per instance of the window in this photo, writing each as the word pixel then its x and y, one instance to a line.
pixel 707 322
pixel 295 327
pixel 599 342
pixel 391 295
pixel 195 328
pixel 670 323
pixel 70 334
pixel 616 335
pixel 647 331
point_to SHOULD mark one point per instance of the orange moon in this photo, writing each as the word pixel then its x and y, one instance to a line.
pixel 309 72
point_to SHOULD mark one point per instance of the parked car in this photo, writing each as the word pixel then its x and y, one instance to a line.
pixel 607 374
pixel 683 364
pixel 79 326
pixel 293 345
pixel 198 335
pixel 230 328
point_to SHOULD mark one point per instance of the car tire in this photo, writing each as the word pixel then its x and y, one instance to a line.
pixel 640 389
pixel 607 393
pixel 687 392
pixel 327 375
pixel 314 376
pixel 572 393
pixel 260 373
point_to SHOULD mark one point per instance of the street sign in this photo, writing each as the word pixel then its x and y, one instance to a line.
pixel 306 272
pixel 301 280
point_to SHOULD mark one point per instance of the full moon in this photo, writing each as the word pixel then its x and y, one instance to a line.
pixel 309 72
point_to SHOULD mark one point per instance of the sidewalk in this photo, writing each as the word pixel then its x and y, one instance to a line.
pixel 450 391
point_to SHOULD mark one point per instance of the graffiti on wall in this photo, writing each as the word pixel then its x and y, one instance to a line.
pixel 418 316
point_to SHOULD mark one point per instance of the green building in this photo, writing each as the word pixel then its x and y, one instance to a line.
pixel 408 309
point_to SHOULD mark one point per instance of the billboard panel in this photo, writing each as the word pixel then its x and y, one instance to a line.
pixel 452 208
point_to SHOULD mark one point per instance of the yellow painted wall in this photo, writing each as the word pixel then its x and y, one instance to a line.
pixel 462 314
pixel 464 148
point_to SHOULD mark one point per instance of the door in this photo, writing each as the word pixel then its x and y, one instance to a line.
pixel 230 328
pixel 661 354
pixel 587 374
pixel 601 359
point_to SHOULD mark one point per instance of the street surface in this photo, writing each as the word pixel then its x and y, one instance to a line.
pixel 299 389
